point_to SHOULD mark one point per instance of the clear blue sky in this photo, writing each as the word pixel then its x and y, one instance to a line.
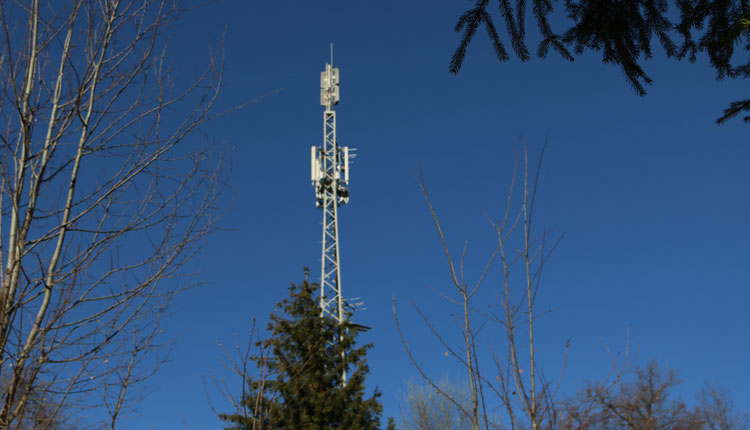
pixel 651 195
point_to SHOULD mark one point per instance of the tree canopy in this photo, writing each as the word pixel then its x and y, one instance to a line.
pixel 301 374
pixel 645 399
pixel 622 31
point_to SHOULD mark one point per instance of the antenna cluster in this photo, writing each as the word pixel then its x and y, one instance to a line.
pixel 329 164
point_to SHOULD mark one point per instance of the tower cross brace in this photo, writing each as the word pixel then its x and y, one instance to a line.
pixel 330 176
pixel 329 167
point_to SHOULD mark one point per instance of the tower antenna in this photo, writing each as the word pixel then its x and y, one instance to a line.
pixel 329 173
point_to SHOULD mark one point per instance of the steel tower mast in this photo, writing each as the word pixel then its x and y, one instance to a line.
pixel 330 177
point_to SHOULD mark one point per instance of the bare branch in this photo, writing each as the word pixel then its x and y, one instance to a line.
pixel 106 199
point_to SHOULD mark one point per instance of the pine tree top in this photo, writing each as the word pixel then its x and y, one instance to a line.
pixel 303 359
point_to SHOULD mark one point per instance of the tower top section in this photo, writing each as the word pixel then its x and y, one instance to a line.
pixel 329 85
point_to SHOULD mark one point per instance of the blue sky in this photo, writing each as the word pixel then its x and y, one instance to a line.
pixel 650 194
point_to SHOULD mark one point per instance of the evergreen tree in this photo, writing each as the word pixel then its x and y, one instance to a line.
pixel 623 32
pixel 303 360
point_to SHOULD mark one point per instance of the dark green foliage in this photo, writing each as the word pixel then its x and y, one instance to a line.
pixel 391 424
pixel 304 358
pixel 622 31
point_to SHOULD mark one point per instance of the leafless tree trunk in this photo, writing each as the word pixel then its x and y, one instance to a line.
pixel 520 381
pixel 520 386
pixel 474 410
pixel 103 198
pixel 250 409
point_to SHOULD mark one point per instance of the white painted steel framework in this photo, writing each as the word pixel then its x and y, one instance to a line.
pixel 330 176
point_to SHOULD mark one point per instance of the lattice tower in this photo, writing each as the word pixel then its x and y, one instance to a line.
pixel 330 177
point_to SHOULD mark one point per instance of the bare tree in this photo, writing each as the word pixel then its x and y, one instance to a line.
pixel 520 386
pixel 473 411
pixel 718 411
pixel 250 409
pixel 642 398
pixel 643 403
pixel 426 409
pixel 41 411
pixel 630 398
pixel 103 200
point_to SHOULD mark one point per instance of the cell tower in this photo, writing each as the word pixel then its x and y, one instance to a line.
pixel 329 167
